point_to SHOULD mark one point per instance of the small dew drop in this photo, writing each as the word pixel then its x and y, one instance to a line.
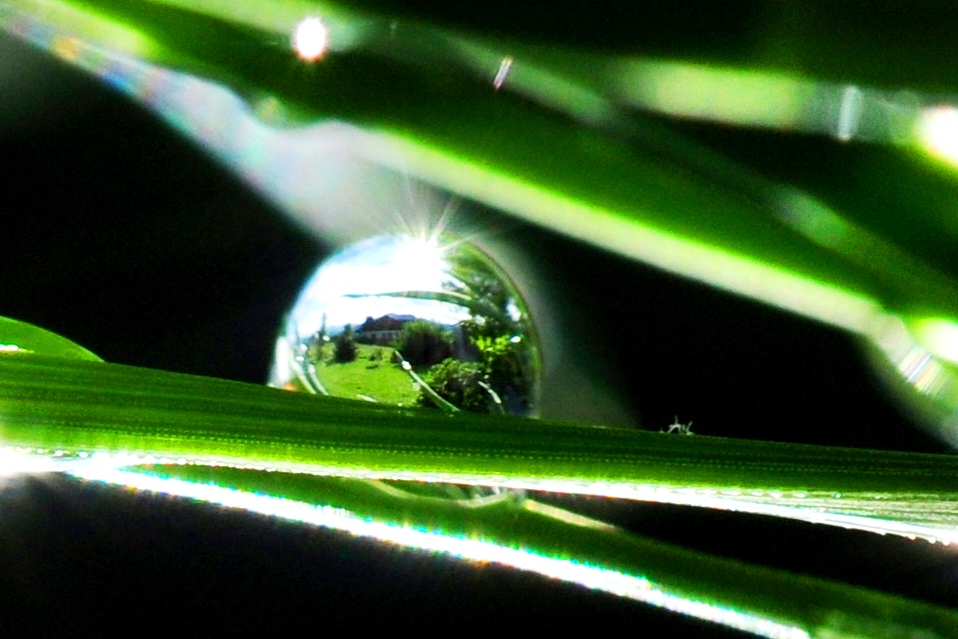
pixel 310 39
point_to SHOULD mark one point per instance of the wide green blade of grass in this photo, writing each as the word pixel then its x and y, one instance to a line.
pixel 214 439
pixel 55 410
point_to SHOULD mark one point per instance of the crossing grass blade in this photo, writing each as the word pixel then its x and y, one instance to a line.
pixel 513 530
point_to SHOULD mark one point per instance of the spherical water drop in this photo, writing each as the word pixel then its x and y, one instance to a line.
pixel 403 321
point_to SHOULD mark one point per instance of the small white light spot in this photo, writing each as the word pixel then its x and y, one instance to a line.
pixel 938 131
pixel 309 39
pixel 500 78
pixel 850 114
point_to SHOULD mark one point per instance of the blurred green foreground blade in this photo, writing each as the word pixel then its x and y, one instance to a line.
pixel 553 152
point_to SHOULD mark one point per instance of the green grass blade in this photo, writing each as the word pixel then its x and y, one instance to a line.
pixel 629 192
pixel 19 338
pixel 528 535
pixel 128 415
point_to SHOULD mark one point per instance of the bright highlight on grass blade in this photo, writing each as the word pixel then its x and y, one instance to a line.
pixel 929 517
pixel 765 99
pixel 309 39
pixel 14 462
pixel 597 578
pixel 938 132
pixel 940 336
pixel 720 267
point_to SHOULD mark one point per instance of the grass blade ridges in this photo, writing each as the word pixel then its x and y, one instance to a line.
pixel 128 415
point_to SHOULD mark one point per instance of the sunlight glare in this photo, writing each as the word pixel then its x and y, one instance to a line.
pixel 15 463
pixel 310 39
pixel 420 260
pixel 347 285
pixel 938 132
pixel 939 336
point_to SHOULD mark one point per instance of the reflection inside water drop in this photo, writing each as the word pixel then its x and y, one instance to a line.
pixel 409 322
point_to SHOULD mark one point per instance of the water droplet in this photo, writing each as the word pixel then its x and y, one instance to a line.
pixel 409 322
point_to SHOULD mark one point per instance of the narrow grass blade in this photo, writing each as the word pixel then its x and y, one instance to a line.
pixel 19 338
pixel 518 532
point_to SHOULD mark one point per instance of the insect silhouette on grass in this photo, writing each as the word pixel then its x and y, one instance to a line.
pixel 678 427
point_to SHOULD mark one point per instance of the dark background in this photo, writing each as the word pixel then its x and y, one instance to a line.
pixel 124 237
